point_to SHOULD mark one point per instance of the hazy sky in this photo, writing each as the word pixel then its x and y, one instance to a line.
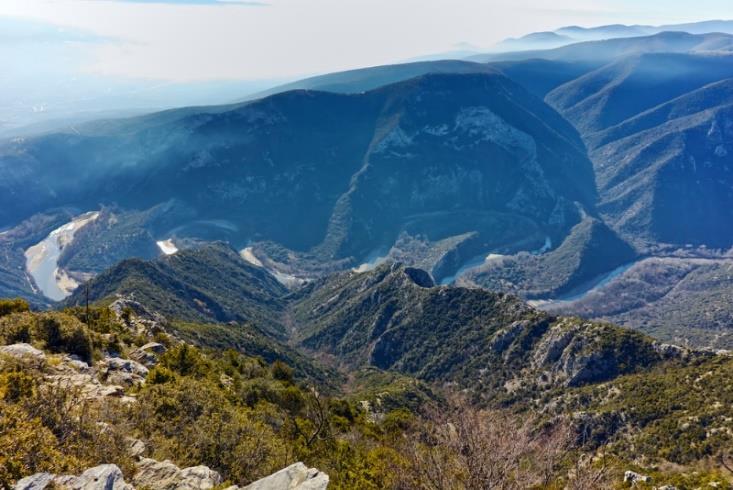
pixel 189 40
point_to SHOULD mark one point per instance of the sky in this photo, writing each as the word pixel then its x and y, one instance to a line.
pixel 203 40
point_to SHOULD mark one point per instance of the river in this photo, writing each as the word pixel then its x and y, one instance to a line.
pixel 583 290
pixel 480 260
pixel 42 259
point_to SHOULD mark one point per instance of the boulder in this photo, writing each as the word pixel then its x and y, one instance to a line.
pixel 22 350
pixel 38 481
pixel 164 475
pixel 148 354
pixel 295 477
pixel 135 447
pixel 77 364
pixel 125 372
pixel 634 477
pixel 102 477
pixel 197 477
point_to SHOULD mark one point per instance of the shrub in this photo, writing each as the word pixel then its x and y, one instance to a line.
pixel 64 334
pixel 9 306
pixel 186 361
pixel 16 385
pixel 160 375
pixel 26 446
pixel 282 372
pixel 56 332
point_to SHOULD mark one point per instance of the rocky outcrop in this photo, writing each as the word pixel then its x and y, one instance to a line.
pixel 574 354
pixel 135 447
pixel 504 337
pixel 295 477
pixel 38 481
pixel 148 354
pixel 102 477
pixel 634 478
pixel 22 351
pixel 124 372
pixel 87 386
pixel 164 475
pixel 554 343
pixel 419 277
pixel 670 351
pixel 137 317
pixel 150 474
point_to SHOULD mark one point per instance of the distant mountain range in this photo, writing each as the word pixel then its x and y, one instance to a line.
pixel 574 34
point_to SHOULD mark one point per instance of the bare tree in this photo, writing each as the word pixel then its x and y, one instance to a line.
pixel 316 413
pixel 588 474
pixel 474 449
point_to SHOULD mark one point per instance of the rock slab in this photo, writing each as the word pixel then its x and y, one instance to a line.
pixel 295 477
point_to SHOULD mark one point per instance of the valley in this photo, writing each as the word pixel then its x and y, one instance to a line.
pixel 512 270
pixel 438 171
pixel 361 326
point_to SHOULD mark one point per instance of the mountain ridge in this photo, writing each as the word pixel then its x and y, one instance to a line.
pixel 466 129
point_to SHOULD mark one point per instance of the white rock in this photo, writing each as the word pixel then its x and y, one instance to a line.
pixel 634 477
pixel 164 475
pixel 22 350
pixel 148 354
pixel 124 372
pixel 38 481
pixel 199 477
pixel 88 385
pixel 80 366
pixel 135 447
pixel 102 477
pixel 295 477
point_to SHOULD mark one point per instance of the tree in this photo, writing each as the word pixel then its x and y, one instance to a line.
pixel 469 448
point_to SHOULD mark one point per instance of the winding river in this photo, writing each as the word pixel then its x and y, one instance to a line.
pixel 42 259
pixel 480 260
pixel 583 290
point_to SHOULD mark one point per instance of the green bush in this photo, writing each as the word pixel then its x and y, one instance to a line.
pixel 186 361
pixel 9 306
pixel 282 372
pixel 16 385
pixel 56 332
pixel 64 336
